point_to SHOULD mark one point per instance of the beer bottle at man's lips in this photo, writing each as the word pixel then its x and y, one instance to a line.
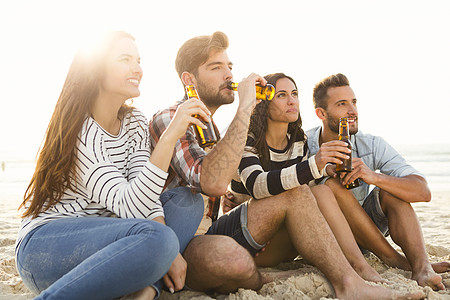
pixel 262 92
pixel 205 137
pixel 346 166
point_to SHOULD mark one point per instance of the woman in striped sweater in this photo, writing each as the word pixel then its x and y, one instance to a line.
pixel 93 219
pixel 276 160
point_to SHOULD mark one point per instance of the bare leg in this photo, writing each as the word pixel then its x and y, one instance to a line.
pixel 368 236
pixel 218 263
pixel 364 229
pixel 338 224
pixel 312 237
pixel 406 232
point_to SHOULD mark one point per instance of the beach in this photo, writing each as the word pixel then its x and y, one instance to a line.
pixel 306 283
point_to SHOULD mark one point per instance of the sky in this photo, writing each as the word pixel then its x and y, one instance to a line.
pixel 396 55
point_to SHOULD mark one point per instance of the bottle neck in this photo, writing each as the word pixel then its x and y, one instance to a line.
pixel 343 131
pixel 191 92
pixel 232 85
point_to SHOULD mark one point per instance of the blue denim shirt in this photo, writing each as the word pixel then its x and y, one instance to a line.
pixel 375 152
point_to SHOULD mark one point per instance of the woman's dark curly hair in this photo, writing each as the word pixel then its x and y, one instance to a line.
pixel 258 125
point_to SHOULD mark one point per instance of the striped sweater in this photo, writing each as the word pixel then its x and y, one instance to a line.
pixel 113 176
pixel 289 168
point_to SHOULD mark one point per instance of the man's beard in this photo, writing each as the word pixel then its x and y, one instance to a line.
pixel 333 124
pixel 212 98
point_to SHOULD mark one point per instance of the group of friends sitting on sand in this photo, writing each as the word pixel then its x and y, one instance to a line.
pixel 114 206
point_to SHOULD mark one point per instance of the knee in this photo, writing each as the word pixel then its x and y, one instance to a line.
pixel 169 240
pixel 150 248
pixel 301 193
pixel 304 188
pixel 221 256
pixel 168 247
pixel 239 262
pixel 389 202
pixel 159 234
pixel 183 197
pixel 335 185
pixel 323 189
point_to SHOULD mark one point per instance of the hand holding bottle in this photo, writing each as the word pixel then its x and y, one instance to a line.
pixel 185 117
pixel 247 92
pixel 331 152
pixel 266 92
pixel 362 171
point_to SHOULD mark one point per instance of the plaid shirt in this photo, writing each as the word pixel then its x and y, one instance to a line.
pixel 186 163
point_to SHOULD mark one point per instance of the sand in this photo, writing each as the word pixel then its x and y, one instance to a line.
pixel 307 283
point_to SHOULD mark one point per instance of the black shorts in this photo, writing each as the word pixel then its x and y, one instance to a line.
pixel 234 225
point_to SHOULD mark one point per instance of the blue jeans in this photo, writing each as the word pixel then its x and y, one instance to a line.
pixel 183 212
pixel 104 258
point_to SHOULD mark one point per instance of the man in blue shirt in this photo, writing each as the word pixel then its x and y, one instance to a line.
pixel 387 208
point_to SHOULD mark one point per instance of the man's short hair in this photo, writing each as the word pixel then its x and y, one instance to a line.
pixel 320 95
pixel 194 52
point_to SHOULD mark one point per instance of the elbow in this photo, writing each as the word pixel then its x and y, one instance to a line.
pixel 426 193
pixel 426 196
pixel 423 192
pixel 423 196
pixel 215 190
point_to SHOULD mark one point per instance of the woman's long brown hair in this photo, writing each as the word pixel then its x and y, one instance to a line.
pixel 55 166
pixel 258 125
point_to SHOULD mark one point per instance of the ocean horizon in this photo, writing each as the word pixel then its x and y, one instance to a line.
pixel 432 160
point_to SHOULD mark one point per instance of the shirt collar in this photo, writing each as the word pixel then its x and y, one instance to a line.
pixel 313 139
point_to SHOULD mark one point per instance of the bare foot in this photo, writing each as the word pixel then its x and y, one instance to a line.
pixel 368 273
pixel 429 278
pixel 379 293
pixel 399 261
pixel 441 267
pixel 369 292
pixel 426 276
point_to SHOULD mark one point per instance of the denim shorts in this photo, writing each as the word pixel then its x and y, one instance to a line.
pixel 372 207
pixel 234 225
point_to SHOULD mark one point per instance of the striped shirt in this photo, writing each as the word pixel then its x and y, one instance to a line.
pixel 113 176
pixel 289 168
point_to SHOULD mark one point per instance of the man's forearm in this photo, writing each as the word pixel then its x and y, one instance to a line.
pixel 219 166
pixel 410 188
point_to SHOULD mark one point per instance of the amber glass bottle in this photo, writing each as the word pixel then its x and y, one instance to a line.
pixel 262 92
pixel 205 137
pixel 346 166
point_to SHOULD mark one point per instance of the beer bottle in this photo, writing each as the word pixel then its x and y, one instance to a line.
pixel 346 166
pixel 262 92
pixel 205 137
